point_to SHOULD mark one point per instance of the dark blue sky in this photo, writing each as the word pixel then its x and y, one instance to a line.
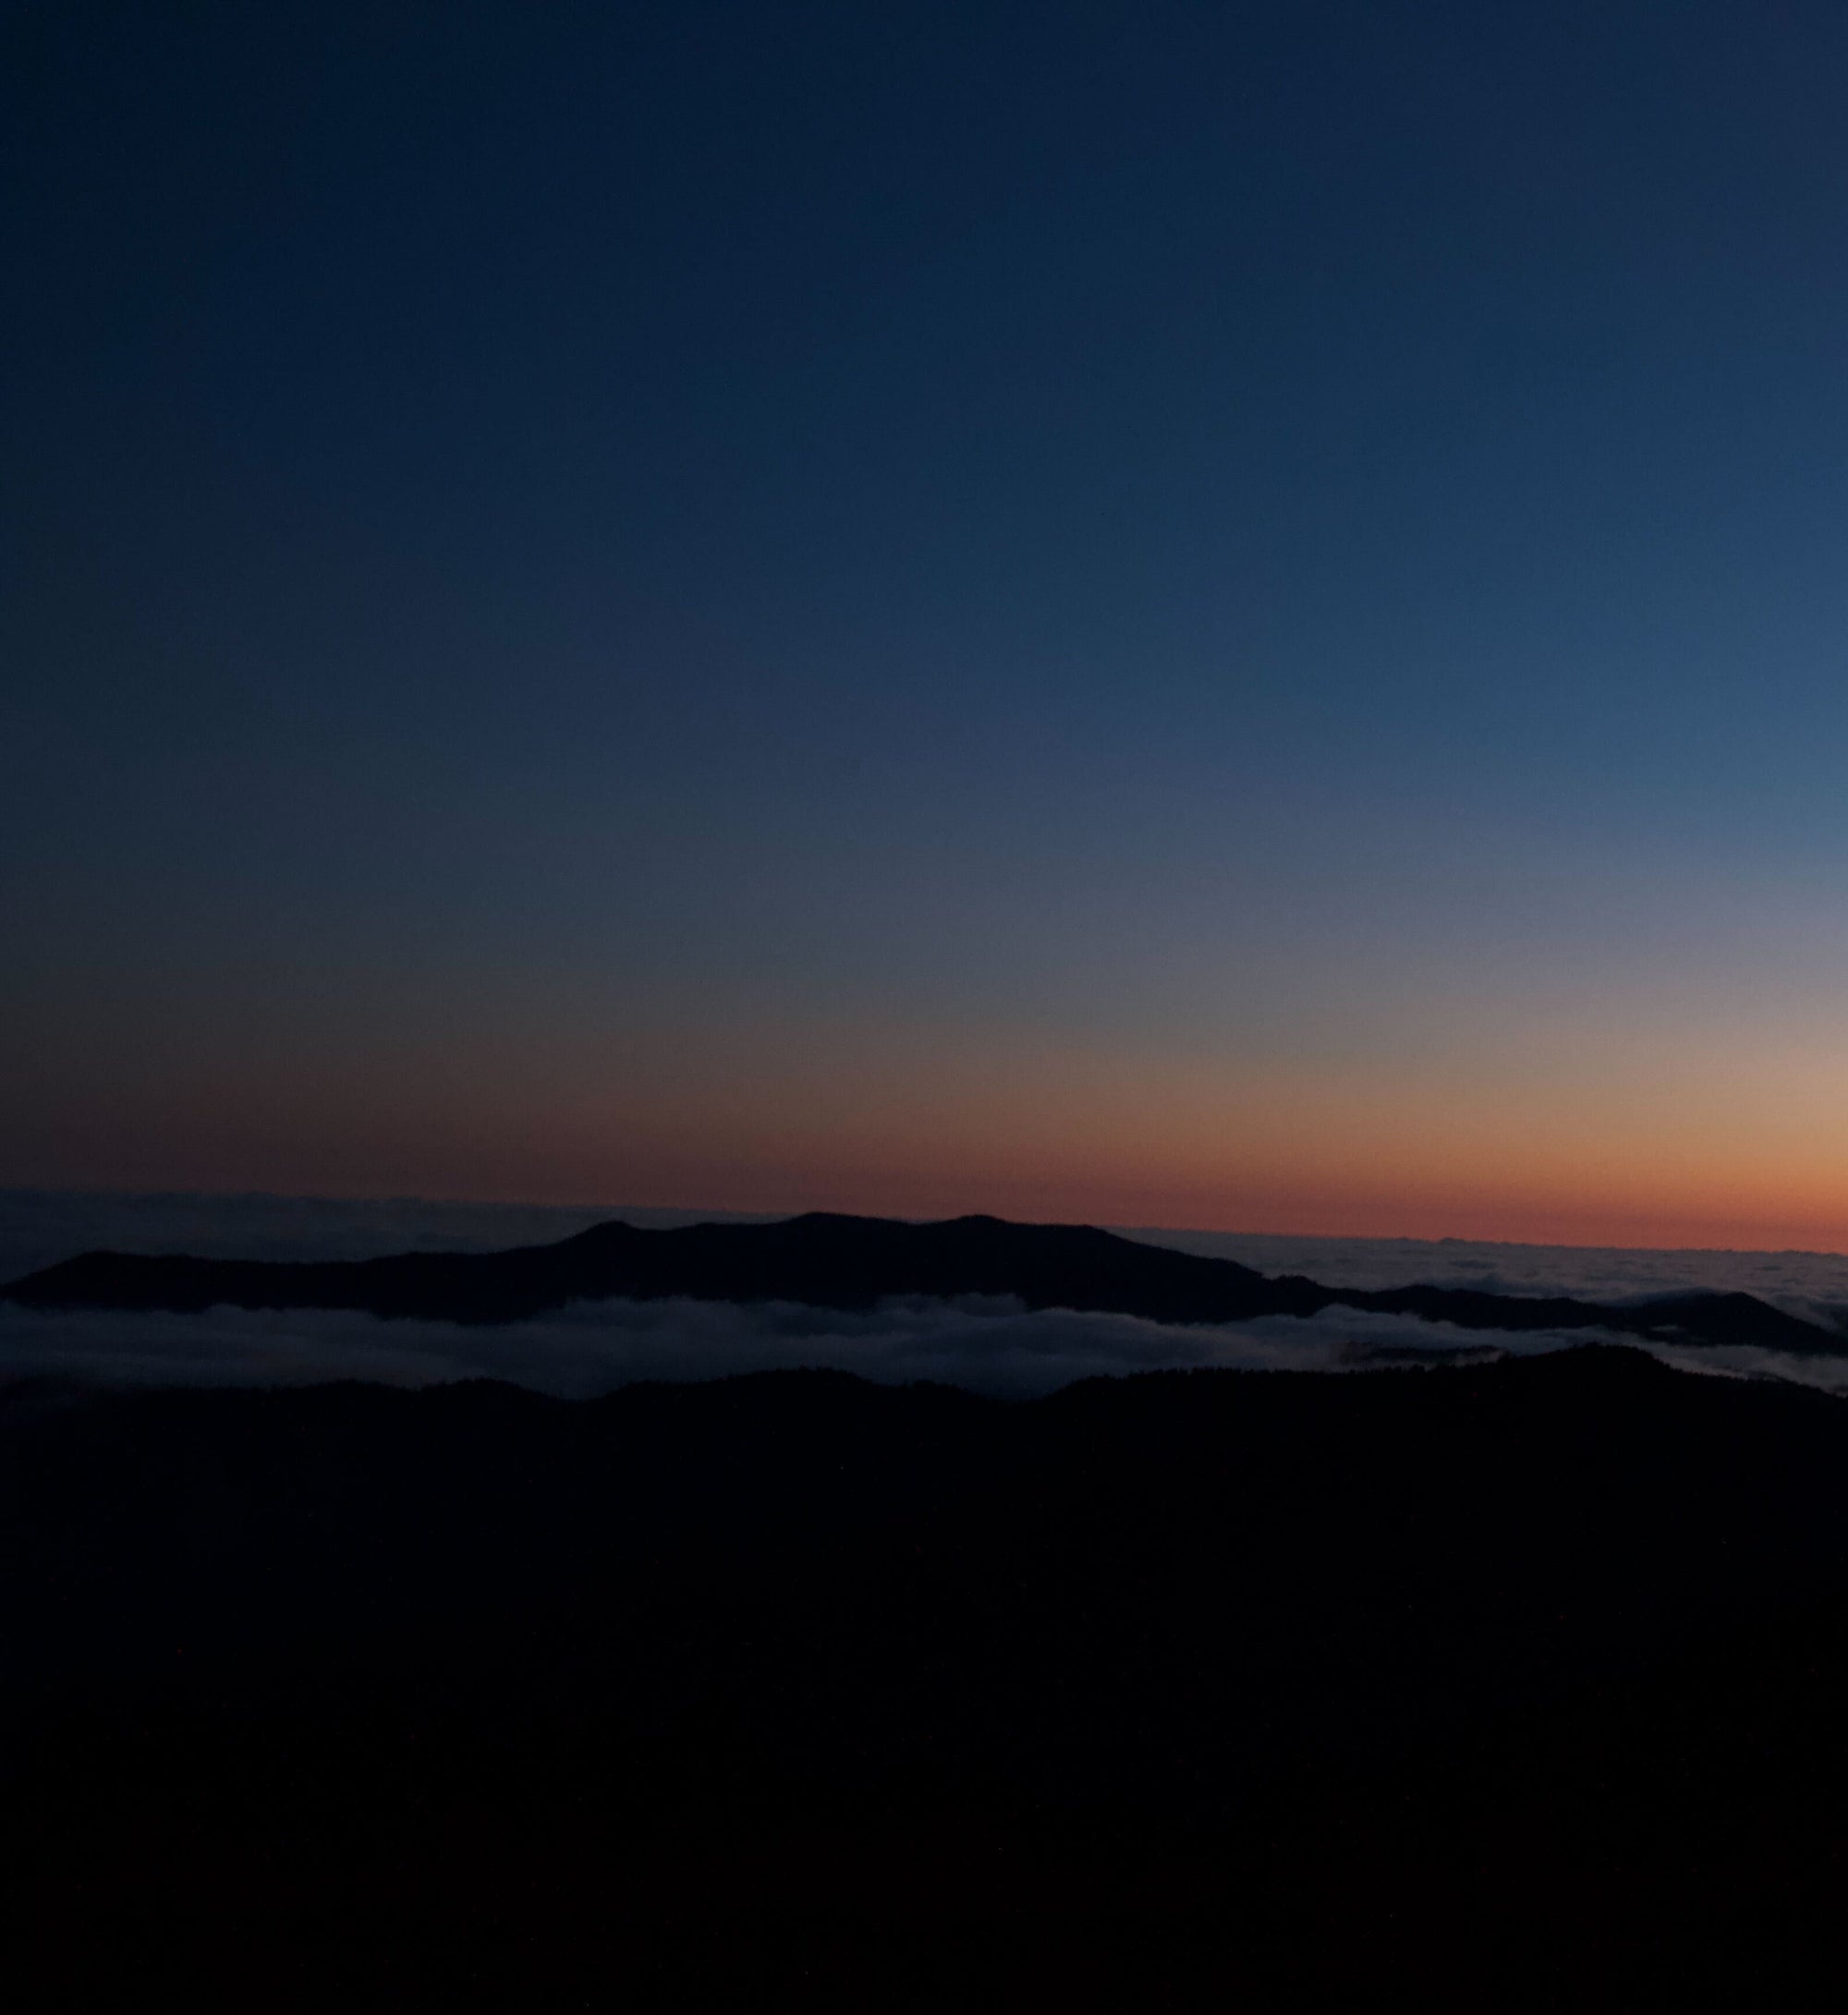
pixel 1236 612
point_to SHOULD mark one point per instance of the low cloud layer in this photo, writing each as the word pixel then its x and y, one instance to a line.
pixel 1811 1285
pixel 985 1346
pixel 990 1345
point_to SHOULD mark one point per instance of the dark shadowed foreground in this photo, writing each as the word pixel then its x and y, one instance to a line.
pixel 1516 1684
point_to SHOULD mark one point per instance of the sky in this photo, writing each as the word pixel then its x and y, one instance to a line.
pixel 1214 615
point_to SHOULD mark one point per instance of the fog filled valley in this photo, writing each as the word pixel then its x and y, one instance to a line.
pixel 694 1668
pixel 986 1342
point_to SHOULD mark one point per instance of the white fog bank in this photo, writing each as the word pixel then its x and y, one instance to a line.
pixel 991 1345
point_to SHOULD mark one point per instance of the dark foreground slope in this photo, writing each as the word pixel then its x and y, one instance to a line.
pixel 1516 1685
pixel 842 1262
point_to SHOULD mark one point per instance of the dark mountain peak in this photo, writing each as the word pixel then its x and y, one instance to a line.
pixel 608 1231
pixel 833 1260
pixel 826 1221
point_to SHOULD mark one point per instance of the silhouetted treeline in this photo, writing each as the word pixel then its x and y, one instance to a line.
pixel 1518 1683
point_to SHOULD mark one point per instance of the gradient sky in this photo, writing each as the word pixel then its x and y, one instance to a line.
pixel 1228 615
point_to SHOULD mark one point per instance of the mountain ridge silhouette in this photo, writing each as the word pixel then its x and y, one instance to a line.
pixel 833 1260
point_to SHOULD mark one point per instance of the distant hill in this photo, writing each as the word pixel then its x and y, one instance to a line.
pixel 847 1262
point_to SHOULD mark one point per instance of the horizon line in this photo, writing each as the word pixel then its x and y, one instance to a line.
pixel 718 1214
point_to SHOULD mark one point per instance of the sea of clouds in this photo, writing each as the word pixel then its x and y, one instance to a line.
pixel 988 1344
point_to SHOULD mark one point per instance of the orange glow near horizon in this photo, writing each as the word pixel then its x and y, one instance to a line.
pixel 1676 1158
pixel 1647 1128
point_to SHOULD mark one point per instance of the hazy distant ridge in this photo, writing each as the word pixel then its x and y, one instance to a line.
pixel 845 1262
